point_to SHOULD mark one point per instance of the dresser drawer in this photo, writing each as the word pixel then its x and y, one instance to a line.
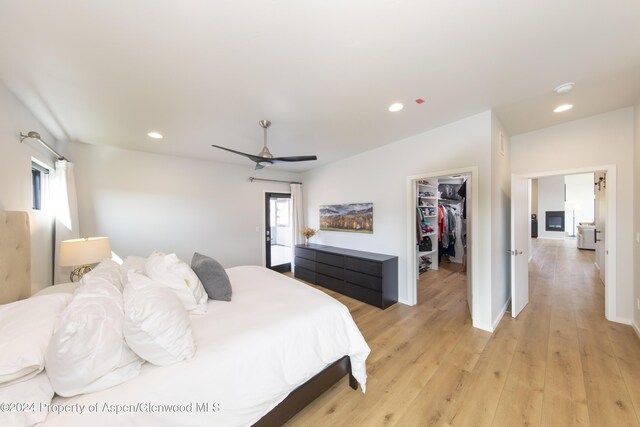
pixel 363 294
pixel 306 253
pixel 305 263
pixel 371 282
pixel 331 259
pixel 329 270
pixel 363 266
pixel 306 275
pixel 330 283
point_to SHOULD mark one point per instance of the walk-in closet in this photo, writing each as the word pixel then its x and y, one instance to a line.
pixel 441 232
pixel 441 218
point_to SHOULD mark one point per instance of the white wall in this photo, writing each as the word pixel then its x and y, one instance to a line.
pixel 580 206
pixel 15 181
pixel 380 176
pixel 636 211
pixel 500 219
pixel 144 201
pixel 599 140
pixel 550 198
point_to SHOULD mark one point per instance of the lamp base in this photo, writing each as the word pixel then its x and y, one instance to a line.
pixel 77 273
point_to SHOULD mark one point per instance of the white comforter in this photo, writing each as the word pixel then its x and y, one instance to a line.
pixel 274 335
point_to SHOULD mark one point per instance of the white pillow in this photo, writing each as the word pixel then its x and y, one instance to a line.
pixel 156 324
pixel 34 395
pixel 131 263
pixel 105 273
pixel 88 352
pixel 26 327
pixel 180 278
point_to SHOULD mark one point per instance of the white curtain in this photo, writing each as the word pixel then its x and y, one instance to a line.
pixel 66 213
pixel 297 221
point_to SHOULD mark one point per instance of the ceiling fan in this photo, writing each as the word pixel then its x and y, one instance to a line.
pixel 264 157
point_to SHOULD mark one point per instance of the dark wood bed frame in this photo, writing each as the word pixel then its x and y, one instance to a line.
pixel 308 392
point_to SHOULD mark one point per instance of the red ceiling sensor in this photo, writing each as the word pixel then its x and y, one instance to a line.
pixel 419 101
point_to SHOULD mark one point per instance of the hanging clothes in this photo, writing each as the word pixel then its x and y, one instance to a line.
pixel 459 245
pixel 450 227
pixel 441 224
pixel 463 193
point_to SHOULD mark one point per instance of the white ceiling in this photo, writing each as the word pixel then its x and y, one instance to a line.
pixel 324 72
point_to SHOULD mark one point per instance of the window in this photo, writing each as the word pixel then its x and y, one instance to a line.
pixel 39 176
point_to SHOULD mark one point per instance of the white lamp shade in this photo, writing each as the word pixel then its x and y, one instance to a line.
pixel 84 251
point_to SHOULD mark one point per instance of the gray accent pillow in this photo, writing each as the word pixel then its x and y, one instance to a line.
pixel 213 277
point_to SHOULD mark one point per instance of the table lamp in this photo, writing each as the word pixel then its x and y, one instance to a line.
pixel 83 252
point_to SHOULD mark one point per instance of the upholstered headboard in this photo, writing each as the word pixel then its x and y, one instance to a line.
pixel 15 256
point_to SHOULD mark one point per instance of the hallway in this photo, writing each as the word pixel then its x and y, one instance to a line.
pixel 586 366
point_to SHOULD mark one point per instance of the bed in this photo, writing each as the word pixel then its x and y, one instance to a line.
pixel 260 358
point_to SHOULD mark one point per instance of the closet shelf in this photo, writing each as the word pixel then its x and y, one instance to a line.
pixel 426 253
pixel 427 186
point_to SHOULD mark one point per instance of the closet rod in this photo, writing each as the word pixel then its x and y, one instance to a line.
pixel 36 136
pixel 273 180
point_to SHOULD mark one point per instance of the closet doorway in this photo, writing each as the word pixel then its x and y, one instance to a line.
pixel 441 216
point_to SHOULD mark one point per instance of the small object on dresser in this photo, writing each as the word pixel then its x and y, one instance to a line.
pixel 308 233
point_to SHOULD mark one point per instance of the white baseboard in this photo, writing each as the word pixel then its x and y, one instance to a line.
pixel 501 314
pixel 622 320
pixel 636 328
pixel 483 326
pixel 496 321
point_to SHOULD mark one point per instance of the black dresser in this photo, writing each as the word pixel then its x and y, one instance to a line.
pixel 365 276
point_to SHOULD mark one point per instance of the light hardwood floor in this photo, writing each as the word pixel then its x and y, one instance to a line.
pixel 560 363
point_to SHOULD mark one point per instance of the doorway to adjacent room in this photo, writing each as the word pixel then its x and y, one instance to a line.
pixel 595 232
pixel 278 231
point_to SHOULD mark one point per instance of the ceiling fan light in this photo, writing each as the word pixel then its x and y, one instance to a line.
pixel 396 107
pixel 263 164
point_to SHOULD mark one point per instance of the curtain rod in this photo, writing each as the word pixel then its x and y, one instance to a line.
pixel 272 180
pixel 36 136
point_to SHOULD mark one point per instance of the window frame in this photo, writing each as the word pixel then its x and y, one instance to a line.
pixel 39 185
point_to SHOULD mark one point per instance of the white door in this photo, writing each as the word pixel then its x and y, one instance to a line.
pixel 601 221
pixel 519 244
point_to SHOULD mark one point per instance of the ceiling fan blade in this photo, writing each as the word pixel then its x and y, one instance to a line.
pixel 265 158
pixel 249 156
pixel 294 159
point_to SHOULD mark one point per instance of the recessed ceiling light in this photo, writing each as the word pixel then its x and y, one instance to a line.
pixel 563 107
pixel 155 135
pixel 564 88
pixel 396 107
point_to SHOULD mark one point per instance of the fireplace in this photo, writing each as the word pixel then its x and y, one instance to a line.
pixel 554 221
